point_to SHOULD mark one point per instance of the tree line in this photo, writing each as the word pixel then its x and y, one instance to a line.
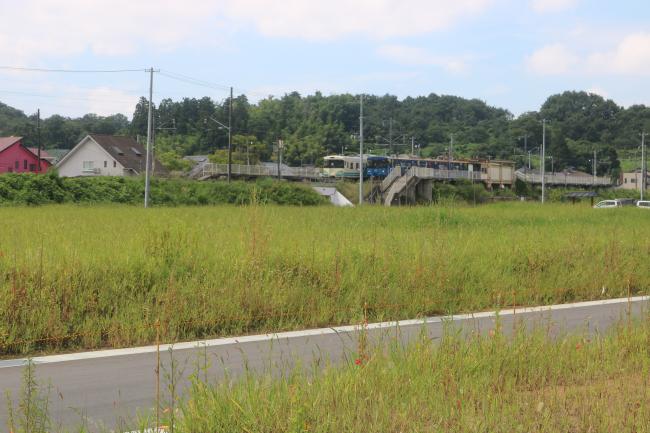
pixel 578 123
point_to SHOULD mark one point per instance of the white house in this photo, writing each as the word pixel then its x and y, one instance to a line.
pixel 106 155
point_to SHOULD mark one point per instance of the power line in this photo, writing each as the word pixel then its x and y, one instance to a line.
pixel 195 81
pixel 74 71
pixel 210 85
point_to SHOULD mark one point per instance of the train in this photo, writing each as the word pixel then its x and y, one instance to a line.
pixel 374 166
pixel 490 172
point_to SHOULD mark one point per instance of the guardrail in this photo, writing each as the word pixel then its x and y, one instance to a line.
pixel 211 169
pixel 563 179
pixel 433 173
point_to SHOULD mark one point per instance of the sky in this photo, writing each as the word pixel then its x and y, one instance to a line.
pixel 510 53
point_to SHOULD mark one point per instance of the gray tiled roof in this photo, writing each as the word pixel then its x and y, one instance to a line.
pixel 127 152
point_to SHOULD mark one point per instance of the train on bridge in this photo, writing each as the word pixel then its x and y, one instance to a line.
pixel 501 173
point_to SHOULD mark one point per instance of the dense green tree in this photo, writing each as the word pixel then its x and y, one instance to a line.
pixel 314 125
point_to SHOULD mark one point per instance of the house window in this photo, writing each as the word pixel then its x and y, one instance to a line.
pixel 17 165
pixel 114 164
pixel 633 180
pixel 625 180
pixel 88 166
pixel 105 164
pixel 25 164
pixel 32 167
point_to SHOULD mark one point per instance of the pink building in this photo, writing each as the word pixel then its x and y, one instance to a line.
pixel 16 158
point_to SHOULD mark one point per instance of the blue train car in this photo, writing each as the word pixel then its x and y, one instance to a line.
pixel 376 166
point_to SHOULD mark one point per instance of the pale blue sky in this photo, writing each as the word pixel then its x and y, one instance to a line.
pixel 512 54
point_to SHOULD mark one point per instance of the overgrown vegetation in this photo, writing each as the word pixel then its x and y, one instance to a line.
pixel 29 411
pixel 487 384
pixel 73 277
pixel 31 189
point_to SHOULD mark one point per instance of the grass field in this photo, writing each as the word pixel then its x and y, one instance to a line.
pixel 485 384
pixel 88 277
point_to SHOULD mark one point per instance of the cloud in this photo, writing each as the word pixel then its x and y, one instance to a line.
pixel 42 29
pixel 335 19
pixel 552 60
pixel 630 56
pixel 548 6
pixel 34 29
pixel 414 56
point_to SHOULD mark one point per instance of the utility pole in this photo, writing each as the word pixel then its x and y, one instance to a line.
pixel 529 160
pixel 390 132
pixel 38 137
pixel 413 146
pixel 525 143
pixel 361 148
pixel 643 164
pixel 595 167
pixel 149 136
pixel 543 165
pixel 450 156
pixel 280 145
pixel 451 148
pixel 230 137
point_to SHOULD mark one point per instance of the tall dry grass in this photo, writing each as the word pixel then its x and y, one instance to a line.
pixel 88 277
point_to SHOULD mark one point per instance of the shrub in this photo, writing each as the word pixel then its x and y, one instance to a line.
pixel 32 190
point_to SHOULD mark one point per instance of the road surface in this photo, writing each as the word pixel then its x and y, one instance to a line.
pixel 107 389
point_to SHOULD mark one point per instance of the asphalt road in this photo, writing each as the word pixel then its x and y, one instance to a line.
pixel 107 389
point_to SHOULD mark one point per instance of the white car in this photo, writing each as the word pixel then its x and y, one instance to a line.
pixel 643 204
pixel 608 204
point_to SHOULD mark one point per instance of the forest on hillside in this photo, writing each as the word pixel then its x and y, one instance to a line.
pixel 578 123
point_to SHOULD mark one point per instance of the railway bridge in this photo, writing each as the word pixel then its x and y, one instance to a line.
pixel 416 183
pixel 563 178
pixel 214 171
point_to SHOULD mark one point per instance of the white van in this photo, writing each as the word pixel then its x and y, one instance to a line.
pixel 608 204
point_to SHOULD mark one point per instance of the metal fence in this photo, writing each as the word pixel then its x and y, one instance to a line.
pixel 211 169
pixel 563 179
pixel 433 173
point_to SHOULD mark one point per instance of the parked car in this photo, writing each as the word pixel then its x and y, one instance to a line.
pixel 643 204
pixel 608 204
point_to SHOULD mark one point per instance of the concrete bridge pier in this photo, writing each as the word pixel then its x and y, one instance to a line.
pixel 424 190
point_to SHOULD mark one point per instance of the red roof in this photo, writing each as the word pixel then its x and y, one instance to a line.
pixel 6 142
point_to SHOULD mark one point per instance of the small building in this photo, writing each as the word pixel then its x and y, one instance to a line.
pixel 15 157
pixel 632 180
pixel 106 155
pixel 498 172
